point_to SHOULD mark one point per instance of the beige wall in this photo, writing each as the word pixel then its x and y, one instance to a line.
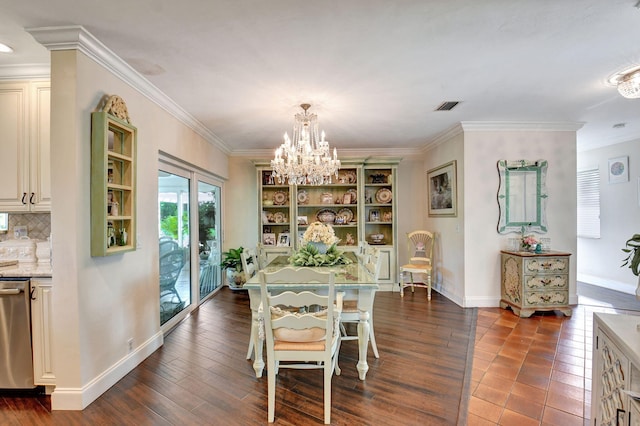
pixel 101 302
pixel 467 259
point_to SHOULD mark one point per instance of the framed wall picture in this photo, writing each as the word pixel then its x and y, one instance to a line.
pixel 269 239
pixel 283 239
pixel 441 184
pixel 619 169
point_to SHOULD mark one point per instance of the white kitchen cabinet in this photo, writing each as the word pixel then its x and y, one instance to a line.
pixel 25 161
pixel 42 331
pixel 615 369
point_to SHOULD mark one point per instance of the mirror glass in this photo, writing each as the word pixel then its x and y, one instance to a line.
pixel 522 196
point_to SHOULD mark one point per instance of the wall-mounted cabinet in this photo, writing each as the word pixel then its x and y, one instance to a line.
pixel 113 185
pixel 359 204
pixel 25 160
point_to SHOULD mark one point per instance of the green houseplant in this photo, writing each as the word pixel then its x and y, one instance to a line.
pixel 632 248
pixel 232 262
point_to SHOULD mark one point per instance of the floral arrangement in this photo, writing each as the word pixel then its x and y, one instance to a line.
pixel 319 232
pixel 529 242
pixel 311 255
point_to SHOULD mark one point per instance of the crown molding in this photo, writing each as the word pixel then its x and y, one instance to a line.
pixel 342 153
pixel 76 37
pixel 523 126
pixel 442 137
pixel 25 71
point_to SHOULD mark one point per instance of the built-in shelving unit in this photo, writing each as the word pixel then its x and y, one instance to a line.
pixel 359 204
pixel 113 185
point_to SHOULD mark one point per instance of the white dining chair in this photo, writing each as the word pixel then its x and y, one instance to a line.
pixel 296 335
pixel 250 266
pixel 349 307
pixel 420 250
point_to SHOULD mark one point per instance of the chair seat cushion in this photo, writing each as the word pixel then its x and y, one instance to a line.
pixel 412 267
pixel 349 306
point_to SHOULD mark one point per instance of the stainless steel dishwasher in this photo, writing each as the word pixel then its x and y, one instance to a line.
pixel 16 359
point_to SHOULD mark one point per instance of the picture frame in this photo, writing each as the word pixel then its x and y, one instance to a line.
pixel 269 239
pixel 442 192
pixel 283 239
pixel 374 215
pixel 301 238
pixel 303 220
pixel 619 169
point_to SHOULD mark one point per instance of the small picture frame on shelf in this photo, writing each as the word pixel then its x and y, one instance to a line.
pixel 387 216
pixel 374 215
pixel 283 239
pixel 269 239
pixel 301 238
pixel 303 220
pixel 346 198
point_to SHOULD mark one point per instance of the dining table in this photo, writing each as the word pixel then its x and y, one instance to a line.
pixel 354 280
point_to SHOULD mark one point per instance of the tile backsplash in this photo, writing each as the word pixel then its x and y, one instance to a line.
pixel 38 225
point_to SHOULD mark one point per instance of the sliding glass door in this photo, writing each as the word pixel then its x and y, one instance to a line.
pixel 189 239
pixel 174 244
pixel 208 237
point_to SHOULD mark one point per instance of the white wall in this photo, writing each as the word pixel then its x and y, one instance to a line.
pixel 468 246
pixel 600 259
pixel 448 256
pixel 101 302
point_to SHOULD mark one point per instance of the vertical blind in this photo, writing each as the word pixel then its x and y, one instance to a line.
pixel 589 203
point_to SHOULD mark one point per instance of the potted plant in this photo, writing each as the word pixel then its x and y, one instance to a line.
pixel 232 262
pixel 633 257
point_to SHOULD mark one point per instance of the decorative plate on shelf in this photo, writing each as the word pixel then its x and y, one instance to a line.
pixel 384 195
pixel 349 176
pixel 326 216
pixel 303 197
pixel 346 215
pixel 279 198
pixel 279 217
pixel 354 195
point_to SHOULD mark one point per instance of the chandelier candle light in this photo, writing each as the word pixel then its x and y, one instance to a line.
pixel 306 160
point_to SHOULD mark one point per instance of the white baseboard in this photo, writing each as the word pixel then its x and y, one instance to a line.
pixel 79 398
pixel 607 283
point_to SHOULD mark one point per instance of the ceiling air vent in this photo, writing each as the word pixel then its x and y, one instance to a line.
pixel 447 106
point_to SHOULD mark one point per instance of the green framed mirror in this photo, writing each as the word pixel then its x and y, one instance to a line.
pixel 522 196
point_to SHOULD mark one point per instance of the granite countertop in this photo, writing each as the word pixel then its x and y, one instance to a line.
pixel 22 269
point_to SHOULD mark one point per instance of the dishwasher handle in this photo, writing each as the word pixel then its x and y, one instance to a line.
pixel 10 291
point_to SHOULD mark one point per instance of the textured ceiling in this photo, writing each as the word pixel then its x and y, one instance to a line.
pixel 373 70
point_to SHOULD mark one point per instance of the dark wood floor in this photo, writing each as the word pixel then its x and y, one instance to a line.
pixel 200 375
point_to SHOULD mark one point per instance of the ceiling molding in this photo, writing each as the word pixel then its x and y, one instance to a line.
pixel 524 126
pixel 343 153
pixel 75 37
pixel 442 137
pixel 25 71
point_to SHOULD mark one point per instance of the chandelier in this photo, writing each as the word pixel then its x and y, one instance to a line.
pixel 628 82
pixel 306 160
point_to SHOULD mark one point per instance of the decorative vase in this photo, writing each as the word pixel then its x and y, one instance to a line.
pixel 235 279
pixel 322 247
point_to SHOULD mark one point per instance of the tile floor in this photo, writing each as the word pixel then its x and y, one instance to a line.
pixel 533 371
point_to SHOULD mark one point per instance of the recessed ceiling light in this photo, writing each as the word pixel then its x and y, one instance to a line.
pixel 5 49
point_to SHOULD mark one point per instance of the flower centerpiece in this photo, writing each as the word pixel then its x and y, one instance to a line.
pixel 529 242
pixel 319 247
